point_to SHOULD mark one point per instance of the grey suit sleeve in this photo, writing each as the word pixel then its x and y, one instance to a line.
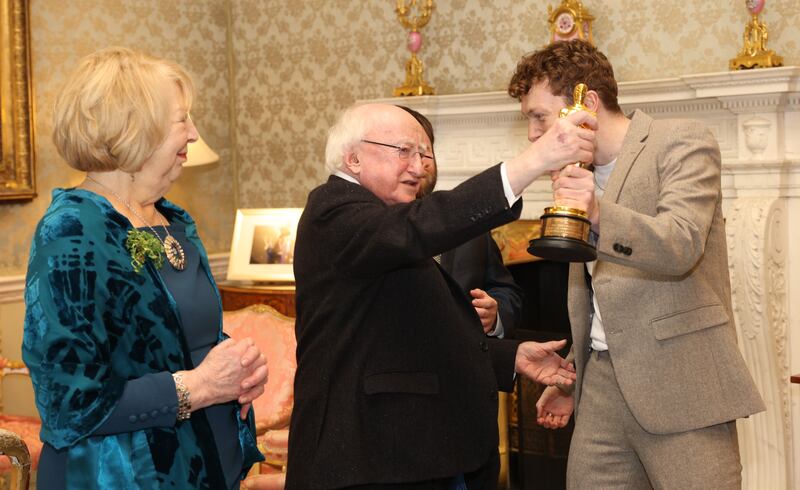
pixel 671 237
pixel 148 401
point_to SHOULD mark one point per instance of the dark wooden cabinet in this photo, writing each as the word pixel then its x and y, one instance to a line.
pixel 237 296
pixel 538 456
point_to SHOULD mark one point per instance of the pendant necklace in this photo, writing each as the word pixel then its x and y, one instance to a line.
pixel 172 247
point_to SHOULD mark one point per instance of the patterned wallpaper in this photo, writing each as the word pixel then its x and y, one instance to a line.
pixel 297 63
pixel 192 32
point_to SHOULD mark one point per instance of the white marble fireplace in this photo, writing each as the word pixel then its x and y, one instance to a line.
pixel 755 116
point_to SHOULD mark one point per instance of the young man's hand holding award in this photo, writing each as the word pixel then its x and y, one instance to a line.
pixel 564 235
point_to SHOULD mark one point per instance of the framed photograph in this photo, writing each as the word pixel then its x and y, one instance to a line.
pixel 262 248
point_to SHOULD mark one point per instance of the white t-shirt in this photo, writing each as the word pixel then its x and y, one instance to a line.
pixel 598 334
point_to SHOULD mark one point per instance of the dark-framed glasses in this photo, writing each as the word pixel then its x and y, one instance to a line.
pixel 404 152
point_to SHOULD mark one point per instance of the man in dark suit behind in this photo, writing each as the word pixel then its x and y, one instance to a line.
pixel 396 383
pixel 476 265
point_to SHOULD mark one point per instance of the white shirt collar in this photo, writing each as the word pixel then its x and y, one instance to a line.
pixel 346 177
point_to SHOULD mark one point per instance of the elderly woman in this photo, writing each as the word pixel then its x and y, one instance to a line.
pixel 135 383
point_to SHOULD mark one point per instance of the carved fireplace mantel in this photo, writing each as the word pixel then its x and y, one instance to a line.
pixel 755 115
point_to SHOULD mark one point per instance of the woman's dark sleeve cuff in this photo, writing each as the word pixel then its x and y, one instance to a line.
pixel 148 401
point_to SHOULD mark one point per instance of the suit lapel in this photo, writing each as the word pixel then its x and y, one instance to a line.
pixel 455 287
pixel 633 144
pixel 447 261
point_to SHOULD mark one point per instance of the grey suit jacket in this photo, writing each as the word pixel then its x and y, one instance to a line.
pixel 662 283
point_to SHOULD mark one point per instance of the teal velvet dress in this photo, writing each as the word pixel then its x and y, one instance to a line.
pixel 92 325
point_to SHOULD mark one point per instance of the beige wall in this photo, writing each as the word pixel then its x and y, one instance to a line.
pixel 192 32
pixel 297 63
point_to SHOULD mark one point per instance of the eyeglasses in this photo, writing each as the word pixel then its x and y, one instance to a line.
pixel 404 152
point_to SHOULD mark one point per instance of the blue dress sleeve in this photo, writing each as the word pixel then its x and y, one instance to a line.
pixel 148 401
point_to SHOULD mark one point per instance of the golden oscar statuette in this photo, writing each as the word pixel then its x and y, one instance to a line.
pixel 564 236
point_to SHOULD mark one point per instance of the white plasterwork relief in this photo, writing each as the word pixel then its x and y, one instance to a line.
pixel 756 244
pixel 756 132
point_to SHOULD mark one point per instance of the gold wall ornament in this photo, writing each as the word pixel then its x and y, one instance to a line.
pixel 570 21
pixel 564 235
pixel 414 83
pixel 755 54
pixel 16 101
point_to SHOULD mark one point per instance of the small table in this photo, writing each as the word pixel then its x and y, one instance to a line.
pixel 237 295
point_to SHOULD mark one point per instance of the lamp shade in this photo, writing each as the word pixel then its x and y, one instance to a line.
pixel 199 153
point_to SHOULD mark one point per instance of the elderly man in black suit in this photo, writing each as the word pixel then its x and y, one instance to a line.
pixel 396 383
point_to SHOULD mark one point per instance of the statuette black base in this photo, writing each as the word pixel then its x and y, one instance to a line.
pixel 561 249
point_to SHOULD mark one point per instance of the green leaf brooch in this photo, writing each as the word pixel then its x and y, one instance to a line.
pixel 142 246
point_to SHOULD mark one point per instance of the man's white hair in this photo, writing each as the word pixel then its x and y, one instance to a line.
pixel 349 129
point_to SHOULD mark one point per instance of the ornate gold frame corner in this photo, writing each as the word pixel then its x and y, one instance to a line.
pixel 17 180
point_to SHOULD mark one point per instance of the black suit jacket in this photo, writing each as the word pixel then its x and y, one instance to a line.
pixel 395 380
pixel 479 264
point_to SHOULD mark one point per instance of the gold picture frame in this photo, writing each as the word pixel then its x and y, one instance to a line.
pixel 262 248
pixel 514 238
pixel 16 98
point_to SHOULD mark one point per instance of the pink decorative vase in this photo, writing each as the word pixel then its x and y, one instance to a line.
pixel 755 6
pixel 414 41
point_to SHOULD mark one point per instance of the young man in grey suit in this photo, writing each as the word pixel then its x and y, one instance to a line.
pixel 661 381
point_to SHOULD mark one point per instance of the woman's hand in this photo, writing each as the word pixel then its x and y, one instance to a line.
pixel 232 370
pixel 253 386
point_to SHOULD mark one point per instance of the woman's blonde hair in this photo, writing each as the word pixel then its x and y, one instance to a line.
pixel 114 110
